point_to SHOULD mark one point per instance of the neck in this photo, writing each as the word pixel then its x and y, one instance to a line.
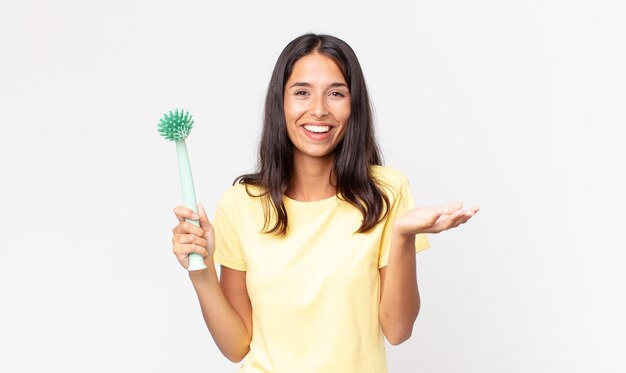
pixel 311 178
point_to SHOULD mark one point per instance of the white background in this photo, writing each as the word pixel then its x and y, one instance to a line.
pixel 514 106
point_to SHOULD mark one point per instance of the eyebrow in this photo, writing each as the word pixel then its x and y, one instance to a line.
pixel 305 84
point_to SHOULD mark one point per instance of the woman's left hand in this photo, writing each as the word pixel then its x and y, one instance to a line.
pixel 433 219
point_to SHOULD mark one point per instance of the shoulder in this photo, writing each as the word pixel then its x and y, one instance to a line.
pixel 388 178
pixel 239 195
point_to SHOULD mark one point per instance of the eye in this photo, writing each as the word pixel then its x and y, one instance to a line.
pixel 300 93
pixel 337 94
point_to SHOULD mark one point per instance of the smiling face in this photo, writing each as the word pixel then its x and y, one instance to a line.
pixel 317 106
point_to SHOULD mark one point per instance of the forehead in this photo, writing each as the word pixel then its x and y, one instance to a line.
pixel 318 68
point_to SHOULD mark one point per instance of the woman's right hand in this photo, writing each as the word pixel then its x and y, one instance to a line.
pixel 189 238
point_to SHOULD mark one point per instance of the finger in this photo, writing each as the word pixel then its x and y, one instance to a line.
pixel 454 217
pixel 180 254
pixel 463 218
pixel 186 249
pixel 444 222
pixel 190 228
pixel 467 214
pixel 186 227
pixel 454 206
pixel 189 238
pixel 436 216
pixel 449 221
pixel 183 213
pixel 178 216
pixel 204 219
pixel 449 209
pixel 183 257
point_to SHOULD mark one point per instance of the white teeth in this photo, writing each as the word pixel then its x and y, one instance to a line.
pixel 316 129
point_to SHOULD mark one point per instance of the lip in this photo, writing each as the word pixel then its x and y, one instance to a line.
pixel 317 136
pixel 318 124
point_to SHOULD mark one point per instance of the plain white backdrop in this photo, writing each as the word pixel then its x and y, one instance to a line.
pixel 515 106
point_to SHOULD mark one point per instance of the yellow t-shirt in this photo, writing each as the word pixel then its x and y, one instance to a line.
pixel 315 292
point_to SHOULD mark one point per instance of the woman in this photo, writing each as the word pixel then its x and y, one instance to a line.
pixel 317 249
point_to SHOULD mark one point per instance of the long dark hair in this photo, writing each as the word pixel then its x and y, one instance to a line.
pixel 353 155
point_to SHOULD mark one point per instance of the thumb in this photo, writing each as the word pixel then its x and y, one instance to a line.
pixel 204 220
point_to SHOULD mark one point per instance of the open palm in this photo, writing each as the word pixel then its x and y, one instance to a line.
pixel 433 219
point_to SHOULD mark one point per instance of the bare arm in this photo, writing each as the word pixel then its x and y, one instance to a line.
pixel 224 308
pixel 225 304
pixel 400 299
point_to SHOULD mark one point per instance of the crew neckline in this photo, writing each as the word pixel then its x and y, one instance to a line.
pixel 330 201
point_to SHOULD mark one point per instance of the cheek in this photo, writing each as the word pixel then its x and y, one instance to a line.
pixel 290 119
pixel 345 112
pixel 343 116
pixel 341 134
pixel 286 109
pixel 289 124
pixel 293 110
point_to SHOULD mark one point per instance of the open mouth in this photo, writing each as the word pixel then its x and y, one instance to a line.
pixel 316 129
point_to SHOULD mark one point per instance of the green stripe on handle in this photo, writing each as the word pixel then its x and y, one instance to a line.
pixel 196 262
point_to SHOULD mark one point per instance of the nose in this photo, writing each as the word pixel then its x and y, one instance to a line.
pixel 318 107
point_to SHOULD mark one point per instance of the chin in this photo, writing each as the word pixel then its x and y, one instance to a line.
pixel 318 153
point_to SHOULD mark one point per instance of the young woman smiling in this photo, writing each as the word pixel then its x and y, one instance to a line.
pixel 317 248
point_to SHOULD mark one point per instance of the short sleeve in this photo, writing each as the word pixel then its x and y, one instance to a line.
pixel 402 203
pixel 228 250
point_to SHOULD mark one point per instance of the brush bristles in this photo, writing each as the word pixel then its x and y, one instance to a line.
pixel 176 126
